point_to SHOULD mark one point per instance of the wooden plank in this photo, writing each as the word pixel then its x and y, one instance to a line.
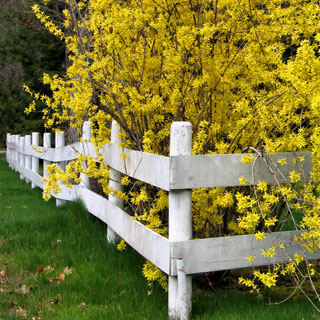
pixel 86 137
pixel 33 151
pixel 35 160
pixel 222 170
pixel 149 244
pixel 30 175
pixel 60 143
pixel 67 194
pixel 70 152
pixel 226 253
pixel 115 183
pixel 147 167
pixel 46 145
pixel 17 145
pixel 180 224
pixel 66 153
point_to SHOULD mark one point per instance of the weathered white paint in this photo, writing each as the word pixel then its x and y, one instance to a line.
pixel 21 156
pixel 147 167
pixel 180 221
pixel 46 146
pixel 31 150
pixel 226 253
pixel 59 143
pixel 12 146
pixel 8 153
pixel 16 157
pixel 30 175
pixel 28 160
pixel 63 153
pixel 11 151
pixel 8 150
pixel 67 194
pixel 114 182
pixel 183 291
pixel 35 159
pixel 148 243
pixel 222 170
pixel 18 147
pixel 59 154
pixel 86 136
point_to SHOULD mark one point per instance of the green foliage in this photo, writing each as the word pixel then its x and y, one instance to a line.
pixel 26 52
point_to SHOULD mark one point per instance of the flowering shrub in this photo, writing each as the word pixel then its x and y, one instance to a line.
pixel 244 73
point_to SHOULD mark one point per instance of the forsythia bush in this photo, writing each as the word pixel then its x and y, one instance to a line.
pixel 245 73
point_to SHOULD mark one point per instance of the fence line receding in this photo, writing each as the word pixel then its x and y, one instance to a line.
pixel 178 255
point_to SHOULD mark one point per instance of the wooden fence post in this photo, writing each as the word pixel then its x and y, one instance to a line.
pixel 21 158
pixel 28 163
pixel 11 151
pixel 86 137
pixel 114 183
pixel 16 153
pixel 46 146
pixel 35 160
pixel 60 142
pixel 180 226
pixel 8 149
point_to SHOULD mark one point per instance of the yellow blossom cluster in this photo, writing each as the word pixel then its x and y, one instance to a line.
pixel 152 273
pixel 45 20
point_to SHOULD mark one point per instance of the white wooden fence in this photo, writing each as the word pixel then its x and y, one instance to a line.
pixel 178 256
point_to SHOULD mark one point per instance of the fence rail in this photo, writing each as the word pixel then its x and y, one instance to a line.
pixel 224 170
pixel 178 256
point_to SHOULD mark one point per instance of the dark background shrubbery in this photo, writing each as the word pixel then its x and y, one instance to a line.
pixel 27 50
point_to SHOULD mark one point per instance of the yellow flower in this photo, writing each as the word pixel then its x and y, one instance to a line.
pixel 270 222
pixel 260 236
pixel 125 180
pixel 298 258
pixel 250 258
pixel 282 161
pixel 242 181
pixel 121 245
pixel 268 278
pixel 298 159
pixel 294 176
pixel 270 252
pixel 247 159
pixel 262 186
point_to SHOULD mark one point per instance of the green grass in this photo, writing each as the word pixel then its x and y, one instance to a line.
pixel 104 283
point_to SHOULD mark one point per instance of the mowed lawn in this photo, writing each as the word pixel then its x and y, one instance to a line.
pixel 55 264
